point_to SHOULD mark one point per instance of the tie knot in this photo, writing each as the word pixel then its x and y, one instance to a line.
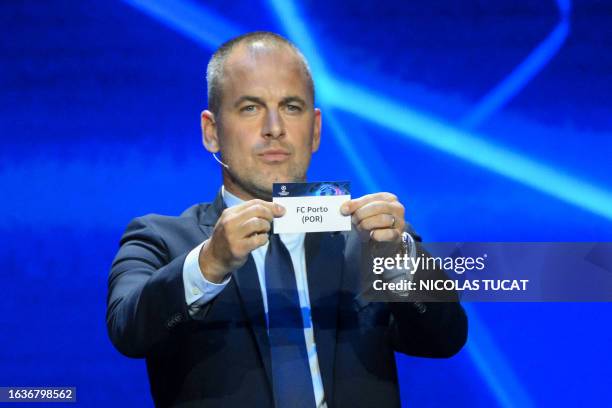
pixel 274 238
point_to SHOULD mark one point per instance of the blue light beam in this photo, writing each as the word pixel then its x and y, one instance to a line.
pixel 493 368
pixel 412 125
pixel 190 19
pixel 499 96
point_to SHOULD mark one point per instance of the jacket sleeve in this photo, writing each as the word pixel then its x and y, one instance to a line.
pixel 432 329
pixel 146 299
pixel 436 328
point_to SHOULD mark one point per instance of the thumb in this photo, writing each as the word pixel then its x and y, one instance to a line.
pixel 347 208
pixel 278 210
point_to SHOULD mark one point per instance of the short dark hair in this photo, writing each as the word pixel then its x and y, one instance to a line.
pixel 214 70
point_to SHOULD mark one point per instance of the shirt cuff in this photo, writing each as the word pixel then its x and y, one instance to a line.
pixel 198 290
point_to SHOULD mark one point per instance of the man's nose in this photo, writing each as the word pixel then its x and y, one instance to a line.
pixel 274 127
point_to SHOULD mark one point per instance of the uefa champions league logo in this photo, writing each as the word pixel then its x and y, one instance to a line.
pixel 283 191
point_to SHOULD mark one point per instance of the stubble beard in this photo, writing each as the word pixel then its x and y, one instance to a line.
pixel 259 187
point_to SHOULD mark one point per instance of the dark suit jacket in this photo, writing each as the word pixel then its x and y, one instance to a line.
pixel 221 357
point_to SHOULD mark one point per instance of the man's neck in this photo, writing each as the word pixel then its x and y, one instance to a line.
pixel 240 193
pixel 237 192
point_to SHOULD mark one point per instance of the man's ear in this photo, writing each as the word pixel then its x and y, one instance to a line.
pixel 210 139
pixel 316 133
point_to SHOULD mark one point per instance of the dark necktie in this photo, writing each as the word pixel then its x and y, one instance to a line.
pixel 292 382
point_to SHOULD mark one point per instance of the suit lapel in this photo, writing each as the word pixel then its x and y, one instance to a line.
pixel 210 215
pixel 247 284
pixel 324 266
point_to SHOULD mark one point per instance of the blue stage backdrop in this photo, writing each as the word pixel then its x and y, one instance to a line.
pixel 491 120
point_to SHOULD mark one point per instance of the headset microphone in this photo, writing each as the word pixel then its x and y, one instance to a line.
pixel 220 162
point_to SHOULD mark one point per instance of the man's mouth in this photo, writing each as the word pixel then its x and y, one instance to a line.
pixel 274 155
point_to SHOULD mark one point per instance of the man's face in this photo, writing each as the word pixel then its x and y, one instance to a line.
pixel 266 127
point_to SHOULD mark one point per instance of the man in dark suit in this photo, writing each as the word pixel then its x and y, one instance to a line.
pixel 227 314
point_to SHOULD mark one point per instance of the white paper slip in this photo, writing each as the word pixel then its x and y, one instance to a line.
pixel 311 207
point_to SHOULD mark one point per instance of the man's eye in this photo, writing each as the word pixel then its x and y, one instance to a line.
pixel 294 108
pixel 249 108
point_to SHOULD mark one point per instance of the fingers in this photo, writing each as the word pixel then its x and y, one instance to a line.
pixel 385 235
pixel 352 205
pixel 245 226
pixel 373 209
pixel 381 214
pixel 378 221
pixel 255 226
pixel 257 208
pixel 394 211
pixel 243 217
pixel 239 230
pixel 257 240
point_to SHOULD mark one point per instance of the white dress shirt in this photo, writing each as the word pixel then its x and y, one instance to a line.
pixel 199 291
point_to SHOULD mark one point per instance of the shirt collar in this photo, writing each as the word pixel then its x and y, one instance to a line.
pixel 230 199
